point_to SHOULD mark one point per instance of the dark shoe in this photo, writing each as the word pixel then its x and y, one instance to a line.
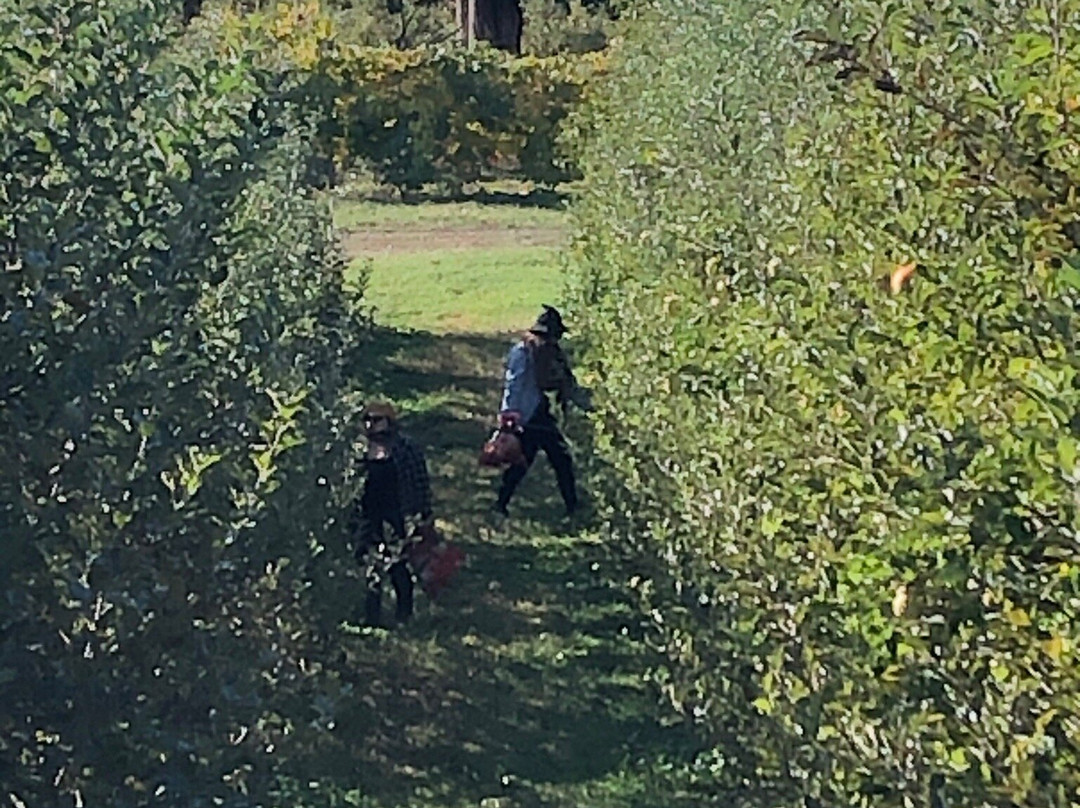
pixel 572 512
pixel 404 610
pixel 573 520
pixel 373 611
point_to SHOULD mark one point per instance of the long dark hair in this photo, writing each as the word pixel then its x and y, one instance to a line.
pixel 532 339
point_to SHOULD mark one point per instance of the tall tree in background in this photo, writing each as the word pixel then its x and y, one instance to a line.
pixel 499 22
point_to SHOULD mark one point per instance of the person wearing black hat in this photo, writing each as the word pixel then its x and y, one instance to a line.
pixel 535 366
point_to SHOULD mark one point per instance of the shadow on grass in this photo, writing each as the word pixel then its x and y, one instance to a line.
pixel 535 198
pixel 525 681
pixel 408 366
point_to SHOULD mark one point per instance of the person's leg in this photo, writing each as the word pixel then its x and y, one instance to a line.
pixel 374 569
pixel 373 604
pixel 402 579
pixel 558 452
pixel 513 476
pixel 396 520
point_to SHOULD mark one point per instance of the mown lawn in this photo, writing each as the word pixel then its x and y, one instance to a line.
pixel 454 267
pixel 479 290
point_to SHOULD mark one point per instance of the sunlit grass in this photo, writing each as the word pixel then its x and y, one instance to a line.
pixel 463 290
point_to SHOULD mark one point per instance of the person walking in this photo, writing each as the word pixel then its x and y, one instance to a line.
pixel 536 366
pixel 393 507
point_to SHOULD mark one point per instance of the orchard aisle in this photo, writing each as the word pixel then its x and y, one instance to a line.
pixel 524 685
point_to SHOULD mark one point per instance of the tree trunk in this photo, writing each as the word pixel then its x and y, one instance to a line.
pixel 499 22
pixel 470 23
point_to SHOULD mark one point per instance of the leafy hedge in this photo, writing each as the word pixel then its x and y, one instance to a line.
pixel 428 115
pixel 828 265
pixel 452 117
pixel 173 339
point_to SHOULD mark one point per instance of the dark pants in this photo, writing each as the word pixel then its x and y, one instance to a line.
pixel 382 557
pixel 542 432
pixel 402 580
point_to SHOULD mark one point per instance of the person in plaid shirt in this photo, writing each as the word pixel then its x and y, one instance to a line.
pixel 394 504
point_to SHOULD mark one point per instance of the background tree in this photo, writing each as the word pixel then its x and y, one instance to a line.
pixel 553 27
pixel 500 23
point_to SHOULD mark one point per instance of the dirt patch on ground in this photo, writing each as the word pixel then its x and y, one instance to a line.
pixel 372 241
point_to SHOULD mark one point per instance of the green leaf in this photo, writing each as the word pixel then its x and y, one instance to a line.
pixel 958 759
pixel 1067 450
pixel 1042 48
pixel 42 144
pixel 1020 366
pixel 1069 275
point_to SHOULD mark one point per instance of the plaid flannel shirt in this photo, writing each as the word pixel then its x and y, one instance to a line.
pixel 414 485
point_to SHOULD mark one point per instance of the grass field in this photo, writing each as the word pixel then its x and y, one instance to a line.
pixel 454 267
pixel 524 686
pixel 463 290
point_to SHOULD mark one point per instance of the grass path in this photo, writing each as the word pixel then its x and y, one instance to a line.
pixel 463 289
pixel 523 685
pixel 454 266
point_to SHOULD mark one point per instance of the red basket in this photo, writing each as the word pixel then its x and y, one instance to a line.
pixel 502 449
pixel 435 561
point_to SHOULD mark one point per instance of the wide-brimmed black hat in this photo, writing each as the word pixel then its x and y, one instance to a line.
pixel 550 323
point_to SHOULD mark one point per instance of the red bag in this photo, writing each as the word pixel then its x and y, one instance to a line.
pixel 435 562
pixel 503 448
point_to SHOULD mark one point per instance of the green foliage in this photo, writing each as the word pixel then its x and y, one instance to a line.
pixel 430 115
pixel 553 27
pixel 859 504
pixel 550 27
pixel 451 117
pixel 404 24
pixel 171 345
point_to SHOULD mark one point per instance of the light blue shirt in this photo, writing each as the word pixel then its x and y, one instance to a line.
pixel 520 390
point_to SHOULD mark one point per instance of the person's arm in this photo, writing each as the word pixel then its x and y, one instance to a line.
pixel 423 484
pixel 355 515
pixel 415 472
pixel 517 363
pixel 571 392
pixel 565 375
pixel 567 369
pixel 361 537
